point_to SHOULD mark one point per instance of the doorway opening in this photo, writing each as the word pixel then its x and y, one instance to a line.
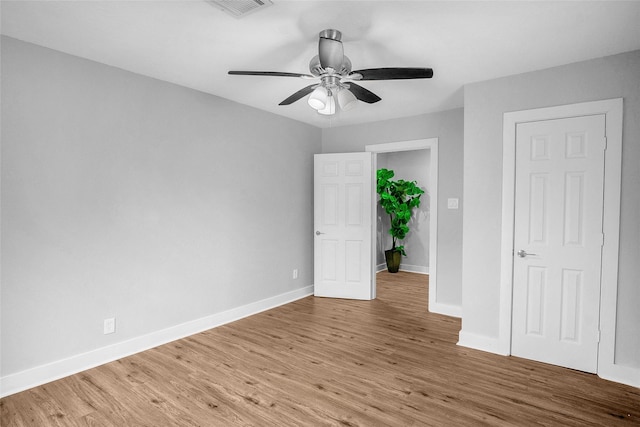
pixel 428 149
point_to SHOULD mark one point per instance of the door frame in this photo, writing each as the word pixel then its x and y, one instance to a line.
pixel 432 145
pixel 613 111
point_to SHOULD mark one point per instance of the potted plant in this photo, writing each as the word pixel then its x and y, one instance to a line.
pixel 398 198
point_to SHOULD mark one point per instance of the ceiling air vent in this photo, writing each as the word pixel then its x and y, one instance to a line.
pixel 240 8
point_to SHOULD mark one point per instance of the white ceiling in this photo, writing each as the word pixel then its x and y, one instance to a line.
pixel 194 44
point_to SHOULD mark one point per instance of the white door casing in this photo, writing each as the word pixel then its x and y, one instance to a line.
pixel 613 111
pixel 435 305
pixel 343 221
pixel 558 241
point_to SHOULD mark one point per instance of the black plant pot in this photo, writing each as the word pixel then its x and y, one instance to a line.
pixel 393 259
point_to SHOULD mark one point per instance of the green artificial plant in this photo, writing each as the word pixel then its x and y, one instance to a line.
pixel 398 198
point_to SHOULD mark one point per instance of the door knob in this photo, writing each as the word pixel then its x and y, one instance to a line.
pixel 522 253
pixel 318 233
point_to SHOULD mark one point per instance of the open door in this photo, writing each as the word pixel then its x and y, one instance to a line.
pixel 343 221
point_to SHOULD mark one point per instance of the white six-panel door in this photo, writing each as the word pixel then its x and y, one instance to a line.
pixel 343 218
pixel 558 241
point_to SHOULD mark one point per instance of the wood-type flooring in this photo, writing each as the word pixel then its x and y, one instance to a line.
pixel 328 362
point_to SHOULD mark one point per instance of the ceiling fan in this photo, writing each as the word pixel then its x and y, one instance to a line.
pixel 337 85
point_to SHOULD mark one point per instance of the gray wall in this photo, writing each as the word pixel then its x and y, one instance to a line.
pixel 126 196
pixel 448 127
pixel 412 165
pixel 485 102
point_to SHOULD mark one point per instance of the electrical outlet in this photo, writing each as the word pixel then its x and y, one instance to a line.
pixel 452 203
pixel 109 325
pixel 295 273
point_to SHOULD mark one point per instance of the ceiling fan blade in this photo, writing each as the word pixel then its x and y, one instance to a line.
pixel 299 94
pixel 364 95
pixel 270 73
pixel 394 73
pixel 331 53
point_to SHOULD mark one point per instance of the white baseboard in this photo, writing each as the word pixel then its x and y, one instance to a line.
pixel 620 374
pixel 43 374
pixel 446 309
pixel 617 373
pixel 414 269
pixel 408 268
pixel 480 342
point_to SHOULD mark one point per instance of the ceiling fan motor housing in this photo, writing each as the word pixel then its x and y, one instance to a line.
pixel 332 54
pixel 316 69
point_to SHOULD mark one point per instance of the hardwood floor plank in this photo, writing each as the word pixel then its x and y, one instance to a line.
pixel 328 362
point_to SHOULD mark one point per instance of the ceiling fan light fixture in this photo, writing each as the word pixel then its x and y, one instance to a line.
pixel 330 107
pixel 318 98
pixel 347 100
